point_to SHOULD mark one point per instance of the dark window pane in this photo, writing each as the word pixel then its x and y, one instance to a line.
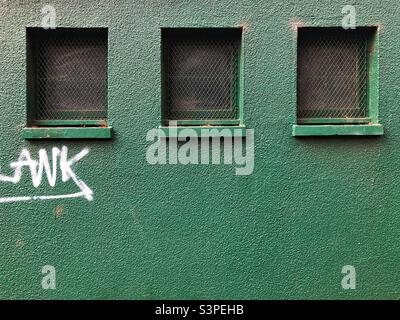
pixel 332 74
pixel 71 74
pixel 201 74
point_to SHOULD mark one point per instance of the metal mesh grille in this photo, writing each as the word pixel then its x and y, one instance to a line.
pixel 71 75
pixel 332 74
pixel 201 78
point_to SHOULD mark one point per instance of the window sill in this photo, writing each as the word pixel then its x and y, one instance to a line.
pixel 67 133
pixel 337 130
pixel 202 131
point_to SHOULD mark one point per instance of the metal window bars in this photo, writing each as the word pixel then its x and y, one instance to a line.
pixel 70 74
pixel 201 75
pixel 332 74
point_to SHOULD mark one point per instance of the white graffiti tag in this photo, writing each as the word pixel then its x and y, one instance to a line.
pixel 41 167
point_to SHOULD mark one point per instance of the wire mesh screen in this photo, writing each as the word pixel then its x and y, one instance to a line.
pixel 201 76
pixel 71 75
pixel 332 74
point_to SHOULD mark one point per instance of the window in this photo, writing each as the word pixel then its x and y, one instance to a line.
pixel 337 79
pixel 67 78
pixel 201 71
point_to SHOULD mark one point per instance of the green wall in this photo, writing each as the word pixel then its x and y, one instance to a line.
pixel 311 206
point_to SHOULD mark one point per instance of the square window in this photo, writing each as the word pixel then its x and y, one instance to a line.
pixel 67 77
pixel 337 76
pixel 201 76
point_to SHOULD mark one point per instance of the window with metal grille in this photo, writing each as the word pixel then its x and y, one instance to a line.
pixel 67 76
pixel 333 75
pixel 201 75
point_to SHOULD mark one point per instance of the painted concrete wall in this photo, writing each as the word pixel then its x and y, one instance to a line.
pixel 199 231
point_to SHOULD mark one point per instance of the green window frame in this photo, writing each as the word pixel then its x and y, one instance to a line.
pixel 67 83
pixel 183 86
pixel 360 55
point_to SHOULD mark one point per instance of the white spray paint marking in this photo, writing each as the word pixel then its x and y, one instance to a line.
pixel 41 167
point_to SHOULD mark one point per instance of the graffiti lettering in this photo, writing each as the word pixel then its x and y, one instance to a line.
pixel 41 167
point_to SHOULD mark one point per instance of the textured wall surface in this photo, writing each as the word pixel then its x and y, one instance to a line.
pixel 311 206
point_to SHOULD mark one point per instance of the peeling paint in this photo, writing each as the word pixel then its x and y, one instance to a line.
pixel 295 25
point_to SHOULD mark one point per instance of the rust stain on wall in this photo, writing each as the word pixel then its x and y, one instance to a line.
pixel 19 243
pixel 59 211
